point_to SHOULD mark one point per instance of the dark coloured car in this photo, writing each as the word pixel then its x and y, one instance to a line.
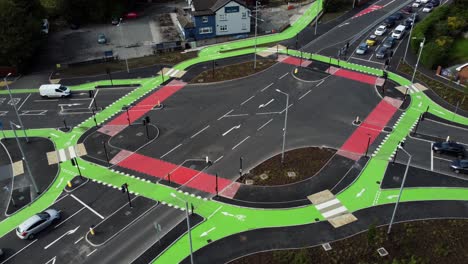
pixel 435 2
pixel 460 166
pixel 450 147
pixel 389 42
pixel 407 9
pixel 381 53
pixel 408 24
pixel 389 22
pixel 397 16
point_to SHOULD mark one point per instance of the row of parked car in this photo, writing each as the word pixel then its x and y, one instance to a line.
pixel 459 165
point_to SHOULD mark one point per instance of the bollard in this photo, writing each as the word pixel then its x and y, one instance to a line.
pixel 357 119
pixel 295 71
pixel 448 138
pixel 91 230
pixel 69 184
pixel 159 103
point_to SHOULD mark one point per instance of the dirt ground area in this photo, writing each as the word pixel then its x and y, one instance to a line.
pixel 299 164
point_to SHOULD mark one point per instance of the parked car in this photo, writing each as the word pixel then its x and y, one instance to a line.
pixel 389 42
pixel 407 9
pixel 428 8
pixel 416 4
pixel 36 223
pixel 450 147
pixel 425 1
pixel 102 39
pixel 381 30
pixel 381 53
pixel 459 166
pixel 362 49
pixel 435 3
pixel 397 16
pixel 408 24
pixel 131 15
pixel 371 40
pixel 399 32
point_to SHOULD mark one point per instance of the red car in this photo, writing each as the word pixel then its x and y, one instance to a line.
pixel 131 15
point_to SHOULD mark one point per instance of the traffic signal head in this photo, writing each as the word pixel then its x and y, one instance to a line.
pixel 91 93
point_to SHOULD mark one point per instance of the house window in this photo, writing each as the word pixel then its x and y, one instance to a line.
pixel 222 17
pixel 244 27
pixel 244 15
pixel 206 30
pixel 223 28
pixel 205 19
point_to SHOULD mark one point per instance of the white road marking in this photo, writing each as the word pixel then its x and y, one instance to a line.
pixel 207 232
pixel 319 83
pixel 69 217
pixel 60 182
pixel 359 194
pixel 435 157
pixel 46 101
pixel 60 237
pixel 79 239
pixel 91 252
pixel 18 251
pixel 92 101
pixel 3 113
pixel 266 87
pixel 432 158
pixel 389 3
pixel 232 128
pixel 335 211
pixel 225 114
pixel 200 131
pixel 285 109
pixel 71 150
pixel 344 24
pixel 284 75
pixel 327 204
pixel 392 196
pixel 267 113
pixel 219 208
pixel 24 102
pixel 237 115
pixel 240 142
pixel 62 156
pixel 265 105
pixel 248 99
pixel 33 112
pixel 52 260
pixel 258 129
pixel 218 159
pixel 87 206
pixel 305 94
pixel 171 150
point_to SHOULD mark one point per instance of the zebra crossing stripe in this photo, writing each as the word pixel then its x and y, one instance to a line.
pixel 62 155
pixel 169 72
pixel 71 150
pixel 333 212
pixel 327 204
pixel 174 73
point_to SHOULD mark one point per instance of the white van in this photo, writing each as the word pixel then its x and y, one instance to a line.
pixel 399 32
pixel 54 90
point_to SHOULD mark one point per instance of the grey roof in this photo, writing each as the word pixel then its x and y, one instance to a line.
pixel 209 7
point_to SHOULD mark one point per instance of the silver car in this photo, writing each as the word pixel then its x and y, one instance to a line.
pixel 36 223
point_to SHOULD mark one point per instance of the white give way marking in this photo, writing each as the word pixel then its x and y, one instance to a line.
pixel 60 237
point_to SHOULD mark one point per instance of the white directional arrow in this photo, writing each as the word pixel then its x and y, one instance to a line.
pixel 235 127
pixel 420 104
pixel 60 237
pixel 264 105
pixel 392 196
pixel 440 112
pixel 52 260
pixel 52 134
pixel 359 194
pixel 206 232
pixel 227 214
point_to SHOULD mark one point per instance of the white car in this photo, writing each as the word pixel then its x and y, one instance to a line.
pixel 380 30
pixel 428 8
pixel 425 1
pixel 416 4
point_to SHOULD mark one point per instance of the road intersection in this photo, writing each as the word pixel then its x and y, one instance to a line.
pixel 247 124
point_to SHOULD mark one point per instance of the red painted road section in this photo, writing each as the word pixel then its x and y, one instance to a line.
pixel 120 122
pixel 356 76
pixel 366 11
pixel 294 61
pixel 181 175
pixel 355 146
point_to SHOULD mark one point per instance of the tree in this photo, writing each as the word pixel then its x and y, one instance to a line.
pixel 20 32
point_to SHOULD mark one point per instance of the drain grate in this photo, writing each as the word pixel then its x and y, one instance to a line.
pixel 326 246
pixel 382 252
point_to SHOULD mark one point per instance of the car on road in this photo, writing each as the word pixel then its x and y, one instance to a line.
pixel 362 49
pixel 389 22
pixel 389 42
pixel 428 8
pixel 408 24
pixel 416 4
pixel 459 166
pixel 425 1
pixel 36 223
pixel 381 52
pixel 371 40
pixel 397 16
pixel 449 147
pixel 381 30
pixel 399 32
pixel 407 9
pixel 102 39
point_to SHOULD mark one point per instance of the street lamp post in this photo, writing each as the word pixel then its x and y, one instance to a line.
pixel 13 125
pixel 14 106
pixel 188 225
pixel 421 46
pixel 285 123
pixel 256 24
pixel 121 35
pixel 401 190
pixel 409 37
pixel 316 18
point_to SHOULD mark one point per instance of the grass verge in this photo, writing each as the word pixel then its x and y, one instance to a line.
pixel 304 162
pixel 449 94
pixel 433 241
pixel 231 72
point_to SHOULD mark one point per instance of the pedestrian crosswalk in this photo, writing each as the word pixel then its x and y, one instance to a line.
pixel 172 72
pixel 410 89
pixel 331 208
pixel 62 155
